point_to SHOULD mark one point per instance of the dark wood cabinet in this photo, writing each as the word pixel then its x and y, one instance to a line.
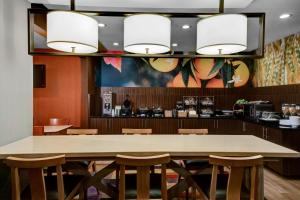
pixel 275 136
pixel 252 129
pixel 198 124
pixel 228 126
pixel 289 139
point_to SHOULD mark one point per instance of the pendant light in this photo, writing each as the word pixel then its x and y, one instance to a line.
pixel 222 34
pixel 147 34
pixel 72 32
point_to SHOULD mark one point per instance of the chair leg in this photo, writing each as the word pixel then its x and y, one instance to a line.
pixel 187 194
pixel 194 193
pixel 94 167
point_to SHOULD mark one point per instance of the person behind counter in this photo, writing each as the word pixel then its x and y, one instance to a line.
pixel 126 107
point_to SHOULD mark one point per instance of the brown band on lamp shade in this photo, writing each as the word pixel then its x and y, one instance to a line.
pixel 72 32
pixel 222 34
pixel 147 34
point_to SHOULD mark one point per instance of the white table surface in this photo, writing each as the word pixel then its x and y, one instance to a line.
pixel 179 146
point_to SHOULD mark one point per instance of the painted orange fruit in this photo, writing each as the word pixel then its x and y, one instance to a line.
pixel 241 74
pixel 203 67
pixel 215 83
pixel 164 64
pixel 178 82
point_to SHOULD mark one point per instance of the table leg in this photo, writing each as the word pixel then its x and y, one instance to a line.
pixel 97 181
pixel 184 184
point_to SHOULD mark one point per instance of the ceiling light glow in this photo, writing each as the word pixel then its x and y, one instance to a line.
pixel 101 25
pixel 186 26
pixel 285 16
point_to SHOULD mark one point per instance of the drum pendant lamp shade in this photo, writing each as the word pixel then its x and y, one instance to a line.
pixel 147 34
pixel 222 34
pixel 72 32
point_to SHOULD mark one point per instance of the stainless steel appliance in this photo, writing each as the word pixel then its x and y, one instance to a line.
pixel 255 110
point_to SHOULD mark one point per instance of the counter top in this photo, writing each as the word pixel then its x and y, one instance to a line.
pixel 134 117
pixel 255 121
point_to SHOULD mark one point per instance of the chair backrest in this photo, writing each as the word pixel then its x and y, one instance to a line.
pixel 36 177
pixel 237 165
pixel 38 130
pixel 143 165
pixel 192 131
pixel 82 131
pixel 138 131
pixel 57 122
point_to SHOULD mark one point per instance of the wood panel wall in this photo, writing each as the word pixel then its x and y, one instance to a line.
pixel 165 97
pixel 224 98
pixel 276 94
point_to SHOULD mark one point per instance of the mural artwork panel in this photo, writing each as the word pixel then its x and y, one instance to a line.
pixel 172 72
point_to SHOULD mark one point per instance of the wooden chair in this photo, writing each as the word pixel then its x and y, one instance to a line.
pixel 137 131
pixel 192 131
pixel 58 187
pixel 130 131
pixel 230 186
pixel 79 165
pixel 71 131
pixel 142 185
pixel 37 130
pixel 195 166
pixel 35 166
pixel 57 122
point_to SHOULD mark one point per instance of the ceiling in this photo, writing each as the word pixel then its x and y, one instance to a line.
pixel 275 28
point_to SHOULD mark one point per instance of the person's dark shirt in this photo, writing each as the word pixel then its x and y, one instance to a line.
pixel 127 103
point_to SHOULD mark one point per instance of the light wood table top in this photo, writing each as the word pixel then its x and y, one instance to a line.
pixel 179 146
pixel 55 129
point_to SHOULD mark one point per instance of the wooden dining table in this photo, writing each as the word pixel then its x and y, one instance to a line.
pixel 180 147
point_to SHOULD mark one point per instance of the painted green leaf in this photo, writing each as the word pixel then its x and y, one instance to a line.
pixel 218 65
pixel 193 71
pixel 143 59
pixel 185 75
pixel 227 73
pixel 185 61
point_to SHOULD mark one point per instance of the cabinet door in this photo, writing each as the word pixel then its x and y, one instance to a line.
pixel 99 123
pixel 253 129
pixel 166 126
pixel 229 127
pixel 275 136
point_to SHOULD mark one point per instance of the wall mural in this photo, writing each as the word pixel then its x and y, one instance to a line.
pixel 172 72
pixel 281 64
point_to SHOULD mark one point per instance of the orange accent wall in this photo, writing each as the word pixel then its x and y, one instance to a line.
pixel 62 96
